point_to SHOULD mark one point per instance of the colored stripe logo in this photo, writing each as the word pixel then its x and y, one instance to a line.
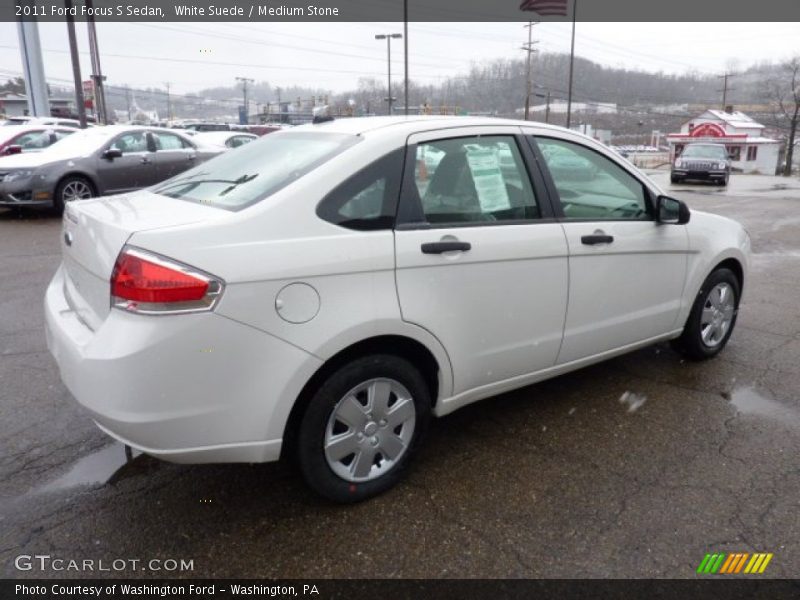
pixel 734 563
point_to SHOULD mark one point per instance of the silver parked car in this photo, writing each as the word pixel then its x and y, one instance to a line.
pixel 97 162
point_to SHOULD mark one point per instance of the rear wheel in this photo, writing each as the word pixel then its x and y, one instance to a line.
pixel 73 187
pixel 361 428
pixel 712 318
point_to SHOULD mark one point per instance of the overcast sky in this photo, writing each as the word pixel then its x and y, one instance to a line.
pixel 333 56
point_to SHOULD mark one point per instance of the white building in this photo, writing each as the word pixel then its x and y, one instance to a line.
pixel 750 151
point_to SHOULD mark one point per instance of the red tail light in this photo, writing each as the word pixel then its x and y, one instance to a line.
pixel 147 283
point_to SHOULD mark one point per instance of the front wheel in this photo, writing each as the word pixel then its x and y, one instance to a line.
pixel 361 427
pixel 72 188
pixel 712 318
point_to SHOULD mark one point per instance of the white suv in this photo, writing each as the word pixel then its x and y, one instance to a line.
pixel 322 291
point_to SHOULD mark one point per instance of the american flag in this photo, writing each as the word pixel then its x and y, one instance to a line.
pixel 546 8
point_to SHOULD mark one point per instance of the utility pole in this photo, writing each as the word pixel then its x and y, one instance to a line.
pixel 169 102
pixel 405 53
pixel 128 101
pixel 725 87
pixel 97 74
pixel 76 65
pixel 529 50
pixel 388 37
pixel 245 81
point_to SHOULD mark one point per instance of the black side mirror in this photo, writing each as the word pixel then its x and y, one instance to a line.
pixel 671 211
pixel 111 154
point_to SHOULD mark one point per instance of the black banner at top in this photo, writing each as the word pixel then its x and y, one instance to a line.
pixel 398 10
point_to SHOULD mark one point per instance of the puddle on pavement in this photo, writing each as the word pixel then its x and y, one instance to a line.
pixel 747 401
pixel 108 465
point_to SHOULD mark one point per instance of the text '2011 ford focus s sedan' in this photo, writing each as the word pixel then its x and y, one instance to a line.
pixel 321 292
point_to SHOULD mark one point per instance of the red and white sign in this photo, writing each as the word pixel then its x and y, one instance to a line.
pixel 708 130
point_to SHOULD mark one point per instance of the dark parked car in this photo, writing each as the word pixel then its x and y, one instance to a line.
pixel 97 162
pixel 708 162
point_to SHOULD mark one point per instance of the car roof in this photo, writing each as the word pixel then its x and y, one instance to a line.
pixel 411 124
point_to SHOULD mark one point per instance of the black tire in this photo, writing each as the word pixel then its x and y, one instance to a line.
pixel 313 427
pixel 674 179
pixel 724 182
pixel 691 343
pixel 60 199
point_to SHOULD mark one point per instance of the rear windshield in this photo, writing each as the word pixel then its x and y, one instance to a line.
pixel 697 151
pixel 241 177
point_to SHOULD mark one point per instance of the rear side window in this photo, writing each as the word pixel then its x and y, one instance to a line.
pixel 257 170
pixel 473 180
pixel 368 199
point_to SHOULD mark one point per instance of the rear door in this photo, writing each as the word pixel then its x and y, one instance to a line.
pixel 626 271
pixel 481 263
pixel 131 171
pixel 173 155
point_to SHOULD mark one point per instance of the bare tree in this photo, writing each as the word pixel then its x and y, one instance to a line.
pixel 785 92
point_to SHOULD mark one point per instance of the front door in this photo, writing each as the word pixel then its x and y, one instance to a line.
pixel 173 155
pixel 480 262
pixel 133 170
pixel 626 270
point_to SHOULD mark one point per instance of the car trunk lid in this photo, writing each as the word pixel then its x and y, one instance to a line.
pixel 96 230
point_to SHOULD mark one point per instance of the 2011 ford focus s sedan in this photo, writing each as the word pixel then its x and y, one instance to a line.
pixel 321 292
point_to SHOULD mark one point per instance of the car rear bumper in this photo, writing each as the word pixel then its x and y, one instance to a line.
pixel 185 388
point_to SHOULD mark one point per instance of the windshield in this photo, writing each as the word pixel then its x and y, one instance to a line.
pixel 697 151
pixel 252 172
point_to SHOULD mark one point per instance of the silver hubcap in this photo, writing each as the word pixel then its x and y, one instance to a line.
pixel 370 430
pixel 76 190
pixel 717 315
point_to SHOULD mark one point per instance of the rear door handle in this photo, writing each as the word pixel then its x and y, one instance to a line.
pixel 145 161
pixel 591 240
pixel 440 247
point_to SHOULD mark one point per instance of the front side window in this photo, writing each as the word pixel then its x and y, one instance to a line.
pixel 591 186
pixel 257 170
pixel 368 199
pixel 33 139
pixel 128 143
pixel 479 179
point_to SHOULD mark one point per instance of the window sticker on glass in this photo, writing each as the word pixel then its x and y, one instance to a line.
pixel 490 186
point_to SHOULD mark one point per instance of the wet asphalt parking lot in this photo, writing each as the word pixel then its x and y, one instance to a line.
pixel 635 467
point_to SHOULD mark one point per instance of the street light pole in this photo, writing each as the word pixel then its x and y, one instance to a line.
pixel 388 37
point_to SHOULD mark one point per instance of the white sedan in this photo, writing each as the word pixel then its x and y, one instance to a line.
pixel 322 291
pixel 223 140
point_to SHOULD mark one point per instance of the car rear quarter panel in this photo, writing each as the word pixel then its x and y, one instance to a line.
pixel 280 241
